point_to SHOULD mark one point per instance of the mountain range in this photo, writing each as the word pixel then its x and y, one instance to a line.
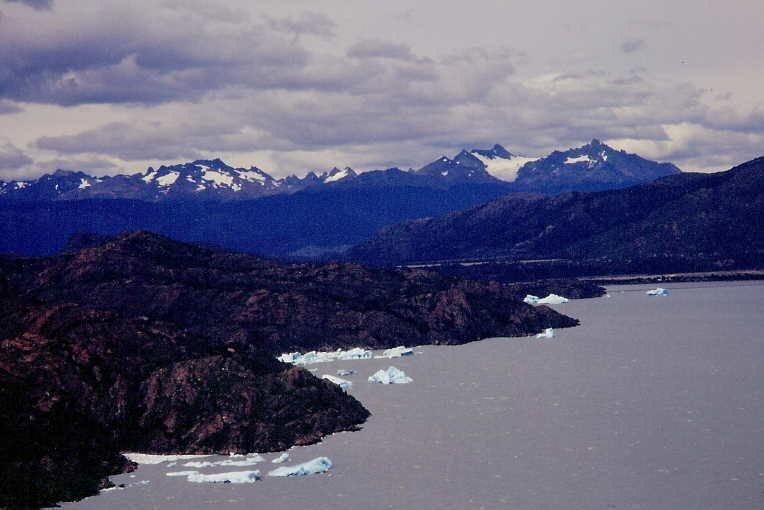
pixel 592 166
pixel 716 219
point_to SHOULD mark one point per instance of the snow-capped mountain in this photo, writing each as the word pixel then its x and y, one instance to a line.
pixel 594 166
pixel 501 163
pixel 61 183
pixel 209 179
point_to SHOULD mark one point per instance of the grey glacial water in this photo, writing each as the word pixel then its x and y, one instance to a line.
pixel 652 403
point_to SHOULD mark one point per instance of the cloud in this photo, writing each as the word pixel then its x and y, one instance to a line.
pixel 7 107
pixel 35 4
pixel 380 49
pixel 632 45
pixel 11 157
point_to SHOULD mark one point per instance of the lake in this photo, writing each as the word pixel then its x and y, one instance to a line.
pixel 652 403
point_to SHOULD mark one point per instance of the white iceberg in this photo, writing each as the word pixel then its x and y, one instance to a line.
pixel 311 357
pixel 281 458
pixel 397 352
pixel 355 353
pixel 232 477
pixel 342 383
pixel 390 376
pixel 150 458
pixel 552 299
pixel 248 461
pixel 531 299
pixel 312 467
pixel 547 333
pixel 660 291
pixel 181 473
pixel 345 372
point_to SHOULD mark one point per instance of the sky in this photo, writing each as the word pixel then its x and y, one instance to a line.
pixel 115 86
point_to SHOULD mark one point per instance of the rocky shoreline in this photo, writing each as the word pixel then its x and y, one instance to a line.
pixel 145 344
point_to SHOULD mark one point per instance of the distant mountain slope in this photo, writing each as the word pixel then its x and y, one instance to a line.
pixel 691 216
pixel 308 223
pixel 593 166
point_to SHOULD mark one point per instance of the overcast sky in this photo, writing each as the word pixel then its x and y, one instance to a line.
pixel 114 86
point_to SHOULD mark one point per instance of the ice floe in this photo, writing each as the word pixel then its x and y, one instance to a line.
pixel 342 383
pixel 149 458
pixel 343 372
pixel 390 376
pixel 397 352
pixel 660 291
pixel 297 358
pixel 281 458
pixel 547 333
pixel 248 461
pixel 180 473
pixel 552 299
pixel 232 477
pixel 312 467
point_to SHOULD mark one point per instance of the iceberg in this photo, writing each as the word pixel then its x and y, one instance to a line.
pixel 552 299
pixel 311 357
pixel 547 333
pixel 531 299
pixel 660 291
pixel 356 353
pixel 342 383
pixel 345 372
pixel 397 352
pixel 281 458
pixel 181 473
pixel 312 467
pixel 390 376
pixel 232 477
pixel 249 461
pixel 149 458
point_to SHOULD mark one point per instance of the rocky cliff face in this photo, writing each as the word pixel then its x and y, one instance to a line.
pixel 77 386
pixel 145 344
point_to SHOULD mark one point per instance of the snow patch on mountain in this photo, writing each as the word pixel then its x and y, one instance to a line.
pixel 503 168
pixel 580 159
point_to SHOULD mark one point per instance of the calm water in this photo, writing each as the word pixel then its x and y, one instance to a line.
pixel 652 403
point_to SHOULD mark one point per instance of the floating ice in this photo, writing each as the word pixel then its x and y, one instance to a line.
pixel 355 353
pixel 397 352
pixel 180 473
pixel 390 376
pixel 345 372
pixel 232 477
pixel 531 299
pixel 249 461
pixel 660 291
pixel 310 357
pixel 552 299
pixel 312 467
pixel 148 458
pixel 281 458
pixel 342 383
pixel 547 333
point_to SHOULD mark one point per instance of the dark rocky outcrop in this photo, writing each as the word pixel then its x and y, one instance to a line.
pixel 145 344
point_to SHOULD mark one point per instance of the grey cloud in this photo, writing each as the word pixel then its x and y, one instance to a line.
pixel 11 157
pixel 7 107
pixel 632 45
pixel 122 57
pixel 308 23
pixel 35 4
pixel 380 49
